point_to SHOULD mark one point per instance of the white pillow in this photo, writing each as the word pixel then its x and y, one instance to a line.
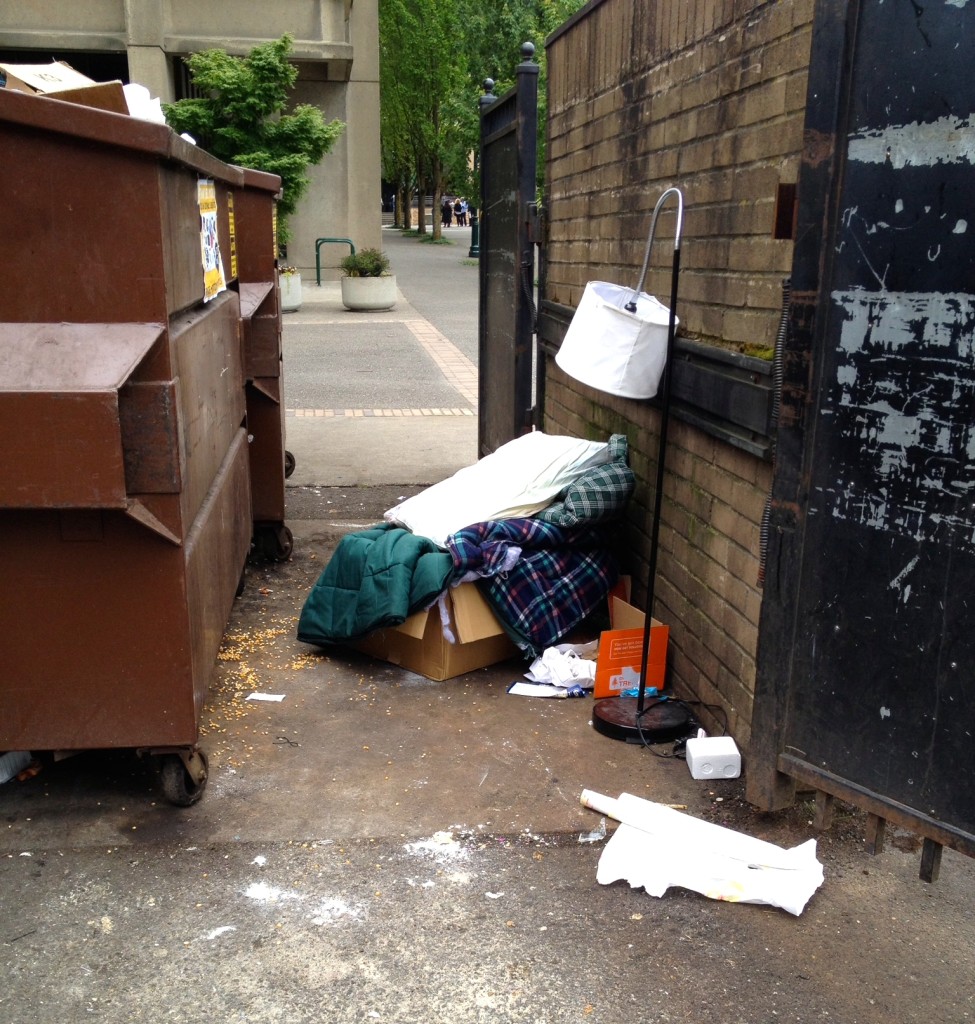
pixel 519 479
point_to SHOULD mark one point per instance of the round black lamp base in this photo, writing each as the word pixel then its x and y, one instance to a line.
pixel 661 721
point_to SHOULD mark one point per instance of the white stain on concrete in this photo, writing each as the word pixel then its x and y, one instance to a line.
pixel 224 929
pixel 321 910
pixel 441 846
pixel 332 910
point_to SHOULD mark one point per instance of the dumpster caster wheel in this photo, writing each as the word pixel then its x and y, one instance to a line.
pixel 289 464
pixel 278 543
pixel 183 777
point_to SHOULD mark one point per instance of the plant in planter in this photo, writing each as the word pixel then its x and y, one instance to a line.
pixel 289 281
pixel 367 283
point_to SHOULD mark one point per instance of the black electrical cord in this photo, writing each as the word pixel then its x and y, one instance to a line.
pixel 717 711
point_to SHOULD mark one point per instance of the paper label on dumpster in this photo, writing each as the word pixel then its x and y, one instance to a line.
pixel 214 281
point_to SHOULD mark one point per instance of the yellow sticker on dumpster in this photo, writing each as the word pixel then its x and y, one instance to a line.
pixel 213 279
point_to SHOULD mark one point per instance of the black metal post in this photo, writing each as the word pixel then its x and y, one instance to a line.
pixel 665 393
pixel 485 101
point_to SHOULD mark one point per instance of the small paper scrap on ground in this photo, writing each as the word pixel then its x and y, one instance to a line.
pixel 266 696
pixel 545 690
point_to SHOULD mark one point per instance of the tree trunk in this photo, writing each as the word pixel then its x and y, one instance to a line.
pixel 437 176
pixel 421 205
pixel 407 209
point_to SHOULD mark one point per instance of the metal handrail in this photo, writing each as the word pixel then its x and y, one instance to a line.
pixel 319 242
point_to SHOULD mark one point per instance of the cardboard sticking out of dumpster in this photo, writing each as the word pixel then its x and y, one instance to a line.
pixel 419 644
pixel 60 81
pixel 621 651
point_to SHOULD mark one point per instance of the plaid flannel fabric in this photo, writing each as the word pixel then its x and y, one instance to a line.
pixel 561 576
pixel 600 493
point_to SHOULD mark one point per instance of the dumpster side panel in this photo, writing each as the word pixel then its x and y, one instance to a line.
pixel 254 220
pixel 59 411
pixel 182 253
pixel 262 341
pixel 215 551
pixel 207 354
pixel 265 422
pixel 96 641
pixel 149 421
pixel 77 239
pixel 60 450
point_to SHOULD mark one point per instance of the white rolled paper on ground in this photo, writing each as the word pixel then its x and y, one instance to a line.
pixel 656 847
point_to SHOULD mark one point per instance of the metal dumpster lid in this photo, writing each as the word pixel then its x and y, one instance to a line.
pixel 72 357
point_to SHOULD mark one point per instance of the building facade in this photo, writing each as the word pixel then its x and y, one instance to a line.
pixel 336 49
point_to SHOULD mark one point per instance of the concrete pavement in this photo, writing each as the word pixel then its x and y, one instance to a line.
pixel 376 846
pixel 386 398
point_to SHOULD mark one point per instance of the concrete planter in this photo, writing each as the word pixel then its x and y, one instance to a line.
pixel 369 293
pixel 290 292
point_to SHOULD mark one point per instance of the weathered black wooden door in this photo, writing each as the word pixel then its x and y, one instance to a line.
pixel 506 309
pixel 867 647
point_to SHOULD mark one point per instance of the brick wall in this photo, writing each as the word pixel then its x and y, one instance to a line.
pixel 707 95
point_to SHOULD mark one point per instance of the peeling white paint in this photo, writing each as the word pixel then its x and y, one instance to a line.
pixel 901 399
pixel 897 582
pixel 949 140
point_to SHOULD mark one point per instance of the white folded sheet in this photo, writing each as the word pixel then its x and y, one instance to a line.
pixel 519 479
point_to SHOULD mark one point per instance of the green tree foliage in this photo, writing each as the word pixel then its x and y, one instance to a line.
pixel 445 49
pixel 241 118
pixel 421 69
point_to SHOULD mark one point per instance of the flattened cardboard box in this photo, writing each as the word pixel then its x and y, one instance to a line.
pixel 419 644
pixel 621 651
pixel 60 81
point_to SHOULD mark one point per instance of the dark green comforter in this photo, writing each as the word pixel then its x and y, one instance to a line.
pixel 376 577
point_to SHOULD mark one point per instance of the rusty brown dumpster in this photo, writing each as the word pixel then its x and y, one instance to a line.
pixel 125 472
pixel 260 312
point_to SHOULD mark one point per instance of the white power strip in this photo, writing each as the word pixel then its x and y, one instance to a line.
pixel 713 757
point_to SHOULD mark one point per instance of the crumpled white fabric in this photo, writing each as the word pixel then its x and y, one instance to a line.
pixel 564 665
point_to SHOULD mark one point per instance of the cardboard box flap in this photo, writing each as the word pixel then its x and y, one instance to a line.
pixel 472 615
pixel 416 624
pixel 622 615
pixel 108 96
pixel 48 78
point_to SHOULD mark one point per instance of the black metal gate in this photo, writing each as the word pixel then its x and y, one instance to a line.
pixel 507 266
pixel 867 650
